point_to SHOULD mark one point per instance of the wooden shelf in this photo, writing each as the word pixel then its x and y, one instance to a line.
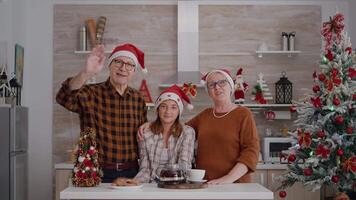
pixel 289 53
pixel 225 53
pixel 266 105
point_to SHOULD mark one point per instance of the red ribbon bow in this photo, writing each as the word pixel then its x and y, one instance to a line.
pixel 335 25
pixel 350 164
pixel 322 150
pixel 189 88
pixel 352 73
pixel 304 139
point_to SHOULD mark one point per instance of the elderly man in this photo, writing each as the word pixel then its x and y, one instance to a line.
pixel 112 108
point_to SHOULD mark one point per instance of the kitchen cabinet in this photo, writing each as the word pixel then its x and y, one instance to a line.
pixel 296 192
pixel 62 180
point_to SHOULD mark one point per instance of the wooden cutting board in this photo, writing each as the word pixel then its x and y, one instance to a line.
pixel 183 186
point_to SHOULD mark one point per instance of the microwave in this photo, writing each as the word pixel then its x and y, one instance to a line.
pixel 272 148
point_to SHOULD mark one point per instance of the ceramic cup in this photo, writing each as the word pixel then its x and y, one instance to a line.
pixel 195 174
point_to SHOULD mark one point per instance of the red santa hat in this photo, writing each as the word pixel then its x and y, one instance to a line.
pixel 131 51
pixel 224 72
pixel 176 94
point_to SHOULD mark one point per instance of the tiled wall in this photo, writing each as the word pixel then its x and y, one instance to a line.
pixel 223 29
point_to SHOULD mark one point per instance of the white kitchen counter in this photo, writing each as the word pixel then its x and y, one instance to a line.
pixel 259 166
pixel 150 191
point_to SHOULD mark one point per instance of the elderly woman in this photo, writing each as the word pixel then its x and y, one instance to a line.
pixel 228 143
pixel 167 141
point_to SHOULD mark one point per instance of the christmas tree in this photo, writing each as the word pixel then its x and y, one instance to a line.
pixel 326 149
pixel 86 171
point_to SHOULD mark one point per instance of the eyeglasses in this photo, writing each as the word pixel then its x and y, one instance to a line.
pixel 119 63
pixel 220 83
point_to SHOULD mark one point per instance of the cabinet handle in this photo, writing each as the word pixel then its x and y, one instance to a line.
pixel 262 179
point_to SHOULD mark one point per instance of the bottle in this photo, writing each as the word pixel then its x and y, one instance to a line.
pixel 291 40
pixel 284 41
pixel 83 38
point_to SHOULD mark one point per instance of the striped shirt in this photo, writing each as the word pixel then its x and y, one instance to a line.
pixel 114 117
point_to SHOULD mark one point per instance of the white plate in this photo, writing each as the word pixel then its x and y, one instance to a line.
pixel 197 181
pixel 126 187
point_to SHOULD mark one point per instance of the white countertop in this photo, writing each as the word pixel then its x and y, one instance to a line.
pixel 150 191
pixel 64 166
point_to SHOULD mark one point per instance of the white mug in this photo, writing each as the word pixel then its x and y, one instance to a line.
pixel 196 174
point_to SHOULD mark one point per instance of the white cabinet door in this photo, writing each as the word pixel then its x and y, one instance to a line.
pixel 62 180
pixel 260 176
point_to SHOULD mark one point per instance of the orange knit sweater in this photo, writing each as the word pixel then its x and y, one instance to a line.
pixel 225 141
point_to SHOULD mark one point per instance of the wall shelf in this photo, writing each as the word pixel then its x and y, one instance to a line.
pixel 149 53
pixel 266 105
pixel 225 53
pixel 289 53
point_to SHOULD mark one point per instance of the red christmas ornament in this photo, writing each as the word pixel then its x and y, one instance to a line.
pixel 330 56
pixel 320 134
pixel 293 108
pixel 352 73
pixel 339 120
pixel 335 179
pixel 292 158
pixel 282 194
pixel 348 50
pixel 349 130
pixel 336 101
pixel 340 152
pixel 308 171
pixel 321 77
pixel 323 151
pixel 316 88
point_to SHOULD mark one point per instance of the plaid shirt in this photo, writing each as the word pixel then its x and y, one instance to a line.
pixel 114 117
pixel 151 147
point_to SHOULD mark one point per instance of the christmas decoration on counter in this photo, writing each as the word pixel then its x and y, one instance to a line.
pixel 240 87
pixel 86 172
pixel 326 149
pixel 261 91
pixel 145 92
pixel 284 90
pixel 190 89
